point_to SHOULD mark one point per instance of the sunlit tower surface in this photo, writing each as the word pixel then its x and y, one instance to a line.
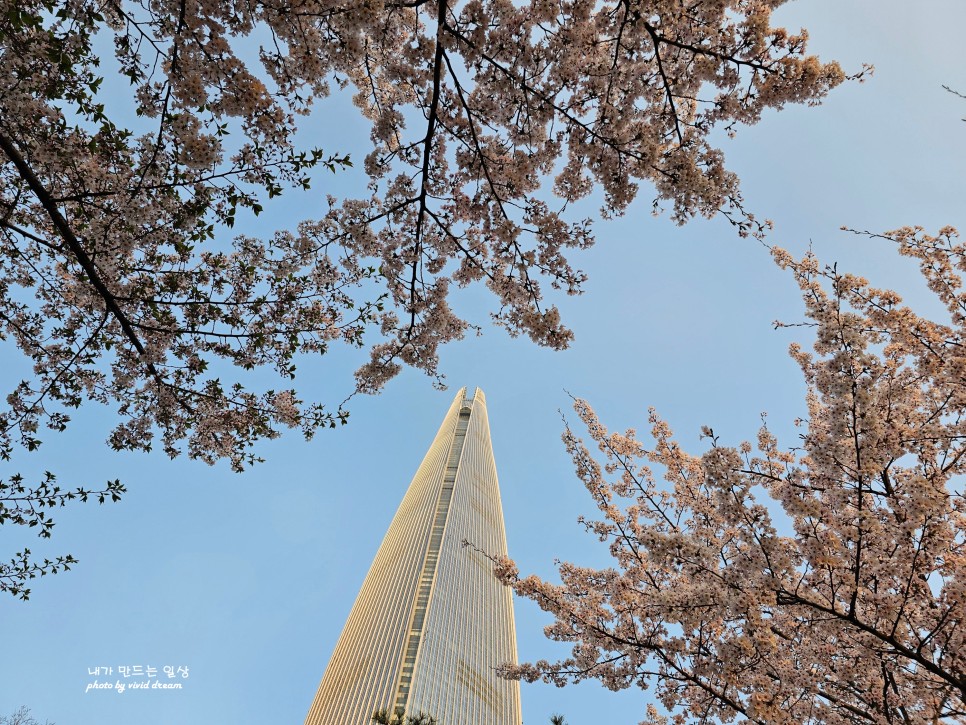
pixel 431 622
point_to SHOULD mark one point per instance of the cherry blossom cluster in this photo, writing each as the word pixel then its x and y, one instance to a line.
pixel 119 280
pixel 119 285
pixel 475 105
pixel 824 583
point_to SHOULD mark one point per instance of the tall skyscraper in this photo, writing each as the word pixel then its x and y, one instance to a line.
pixel 431 622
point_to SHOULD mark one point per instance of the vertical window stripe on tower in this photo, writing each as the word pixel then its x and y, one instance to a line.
pixel 432 557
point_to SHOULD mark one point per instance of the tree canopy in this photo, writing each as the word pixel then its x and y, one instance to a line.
pixel 819 583
pixel 121 282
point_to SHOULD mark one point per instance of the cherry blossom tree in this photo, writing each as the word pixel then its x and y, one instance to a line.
pixel 120 283
pixel 823 583
pixel 116 291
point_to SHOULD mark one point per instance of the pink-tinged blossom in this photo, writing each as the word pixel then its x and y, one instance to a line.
pixel 115 282
pixel 856 611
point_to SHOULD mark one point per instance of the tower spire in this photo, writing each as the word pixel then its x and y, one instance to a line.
pixel 431 622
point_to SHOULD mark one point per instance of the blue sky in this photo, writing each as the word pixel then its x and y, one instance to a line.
pixel 247 579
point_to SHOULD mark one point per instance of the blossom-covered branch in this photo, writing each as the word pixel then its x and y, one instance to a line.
pixel 851 605
pixel 115 267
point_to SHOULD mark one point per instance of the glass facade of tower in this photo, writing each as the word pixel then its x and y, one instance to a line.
pixel 431 622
